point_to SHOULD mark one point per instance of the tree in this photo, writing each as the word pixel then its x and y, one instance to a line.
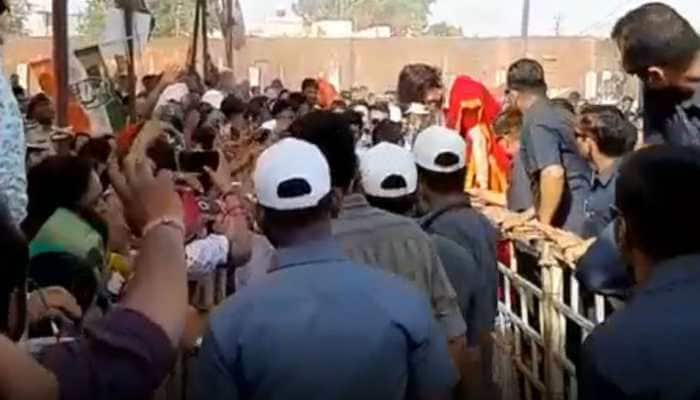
pixel 14 21
pixel 444 29
pixel 173 18
pixel 404 16
pixel 92 22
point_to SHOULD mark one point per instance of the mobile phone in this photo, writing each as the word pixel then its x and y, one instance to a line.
pixel 195 161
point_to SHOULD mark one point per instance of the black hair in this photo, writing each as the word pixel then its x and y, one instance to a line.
pixel 381 106
pixel 563 104
pixel 354 118
pixel 295 219
pixel 331 133
pixel 257 109
pixel 527 75
pixel 403 205
pixel 443 183
pixel 232 106
pixel 388 131
pixel 67 271
pixel 296 99
pixel 415 80
pixel 507 121
pixel 59 182
pixel 15 253
pixel 655 34
pixel 309 83
pixel 280 107
pixel 658 200
pixel 612 132
pixel 35 102
pixel 96 150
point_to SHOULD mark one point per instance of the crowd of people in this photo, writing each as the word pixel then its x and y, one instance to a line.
pixel 357 264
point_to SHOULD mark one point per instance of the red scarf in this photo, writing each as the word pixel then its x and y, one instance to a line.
pixel 472 105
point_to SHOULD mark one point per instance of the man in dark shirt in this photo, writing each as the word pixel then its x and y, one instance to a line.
pixel 558 174
pixel 319 326
pixel 390 181
pixel 440 158
pixel 604 136
pixel 649 349
pixel 662 48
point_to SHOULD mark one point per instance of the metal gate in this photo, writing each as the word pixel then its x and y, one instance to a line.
pixel 542 322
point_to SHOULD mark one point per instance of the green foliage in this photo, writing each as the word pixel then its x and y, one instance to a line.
pixel 444 29
pixel 404 16
pixel 92 22
pixel 174 18
pixel 14 22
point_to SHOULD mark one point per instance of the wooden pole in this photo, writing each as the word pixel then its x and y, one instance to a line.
pixel 205 40
pixel 229 33
pixel 129 24
pixel 60 60
pixel 195 38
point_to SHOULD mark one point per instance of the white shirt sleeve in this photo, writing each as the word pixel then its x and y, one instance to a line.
pixel 205 255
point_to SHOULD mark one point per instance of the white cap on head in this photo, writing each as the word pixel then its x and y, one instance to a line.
pixel 291 175
pixel 384 161
pixel 437 141
pixel 174 92
pixel 214 98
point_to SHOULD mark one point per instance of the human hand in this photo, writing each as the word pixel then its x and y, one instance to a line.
pixel 236 230
pixel 170 75
pixel 57 302
pixel 152 198
pixel 221 178
pixel 149 134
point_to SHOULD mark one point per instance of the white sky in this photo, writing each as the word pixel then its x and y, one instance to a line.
pixel 502 17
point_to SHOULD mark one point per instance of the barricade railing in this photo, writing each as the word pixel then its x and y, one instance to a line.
pixel 543 320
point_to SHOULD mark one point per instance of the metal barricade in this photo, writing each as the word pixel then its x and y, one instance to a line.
pixel 542 323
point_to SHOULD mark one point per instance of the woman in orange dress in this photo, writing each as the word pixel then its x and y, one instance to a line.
pixel 472 113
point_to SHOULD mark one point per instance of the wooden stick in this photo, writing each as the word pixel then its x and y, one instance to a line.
pixel 60 60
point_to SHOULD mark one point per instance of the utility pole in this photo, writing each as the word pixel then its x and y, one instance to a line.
pixel 60 60
pixel 525 27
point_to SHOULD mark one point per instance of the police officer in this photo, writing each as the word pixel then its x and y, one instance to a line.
pixel 650 349
pixel 661 47
pixel 604 136
pixel 319 326
pixel 559 176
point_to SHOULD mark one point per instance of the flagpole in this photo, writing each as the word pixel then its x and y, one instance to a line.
pixel 60 60
pixel 129 25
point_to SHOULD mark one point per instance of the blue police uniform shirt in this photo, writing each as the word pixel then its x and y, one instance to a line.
pixel 649 349
pixel 470 229
pixel 323 327
pixel 669 123
pixel 520 190
pixel 597 205
pixel 548 140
